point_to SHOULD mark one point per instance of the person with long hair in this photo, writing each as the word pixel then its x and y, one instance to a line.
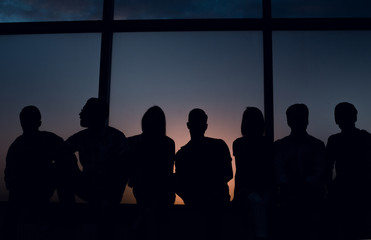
pixel 152 153
pixel 254 174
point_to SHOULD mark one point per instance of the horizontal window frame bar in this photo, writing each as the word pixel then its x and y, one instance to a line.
pixel 284 24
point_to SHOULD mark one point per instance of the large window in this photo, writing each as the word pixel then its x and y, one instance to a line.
pixel 220 55
pixel 321 69
pixel 220 72
pixel 56 73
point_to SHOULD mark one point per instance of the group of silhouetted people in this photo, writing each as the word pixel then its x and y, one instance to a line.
pixel 289 183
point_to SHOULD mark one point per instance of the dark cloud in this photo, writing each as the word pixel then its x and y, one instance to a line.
pixel 66 10
pixel 185 9
pixel 50 10
pixel 62 10
pixel 320 8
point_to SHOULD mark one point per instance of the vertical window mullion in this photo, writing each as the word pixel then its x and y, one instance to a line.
pixel 106 51
pixel 268 69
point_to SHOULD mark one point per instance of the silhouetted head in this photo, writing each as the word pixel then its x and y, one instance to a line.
pixel 197 123
pixel 94 113
pixel 345 115
pixel 252 122
pixel 154 122
pixel 30 118
pixel 297 118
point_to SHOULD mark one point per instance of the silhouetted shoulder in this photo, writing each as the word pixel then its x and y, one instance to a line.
pixel 138 139
pixel 134 140
pixel 115 133
pixel 46 139
pixel 77 137
pixel 85 136
pixel 360 135
pixel 211 146
pixel 238 141
pixel 216 142
pixel 334 137
pixel 242 143
pixel 316 141
pixel 52 136
pixel 169 141
pixel 282 140
pixel 309 139
pixel 364 132
pixel 106 131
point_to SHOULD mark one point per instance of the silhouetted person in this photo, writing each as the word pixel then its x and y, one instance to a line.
pixel 203 170
pixel 254 170
pixel 300 167
pixel 102 154
pixel 152 181
pixel 31 175
pixel 349 152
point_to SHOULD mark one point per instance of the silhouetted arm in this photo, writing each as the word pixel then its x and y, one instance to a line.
pixel 238 189
pixel 319 172
pixel 171 156
pixel 226 168
pixel 279 164
pixel 330 161
pixel 10 171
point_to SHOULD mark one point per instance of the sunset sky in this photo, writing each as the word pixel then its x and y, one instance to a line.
pixel 221 72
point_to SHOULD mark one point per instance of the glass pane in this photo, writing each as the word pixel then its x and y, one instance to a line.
pixel 50 10
pixel 321 8
pixel 56 73
pixel 187 9
pixel 322 69
pixel 220 72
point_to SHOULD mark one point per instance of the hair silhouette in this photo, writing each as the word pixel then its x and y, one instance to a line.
pixel 254 173
pixel 154 122
pixel 297 117
pixel 152 153
pixel 197 123
pixel 94 113
pixel 349 154
pixel 252 122
pixel 203 170
pixel 300 168
pixel 31 172
pixel 345 115
pixel 30 118
pixel 103 156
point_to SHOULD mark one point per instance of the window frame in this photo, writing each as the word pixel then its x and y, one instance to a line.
pixel 108 26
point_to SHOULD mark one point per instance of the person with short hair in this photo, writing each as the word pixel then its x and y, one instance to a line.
pixel 32 172
pixel 203 166
pixel 105 167
pixel 300 170
pixel 202 170
pixel 349 155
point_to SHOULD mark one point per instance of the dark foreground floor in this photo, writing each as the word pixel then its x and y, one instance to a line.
pixel 179 223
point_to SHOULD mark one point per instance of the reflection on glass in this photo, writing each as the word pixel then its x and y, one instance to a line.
pixel 50 10
pixel 56 73
pixel 220 72
pixel 321 9
pixel 187 9
pixel 321 69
